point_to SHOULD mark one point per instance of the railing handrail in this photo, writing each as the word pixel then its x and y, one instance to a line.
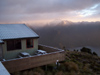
pixel 58 51
pixel 51 47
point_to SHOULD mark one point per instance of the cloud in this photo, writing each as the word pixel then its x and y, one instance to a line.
pixel 45 9
pixel 89 11
pixel 45 6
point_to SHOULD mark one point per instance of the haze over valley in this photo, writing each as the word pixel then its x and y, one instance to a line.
pixel 70 35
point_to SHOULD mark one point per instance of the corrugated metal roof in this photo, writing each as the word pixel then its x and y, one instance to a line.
pixel 3 70
pixel 14 31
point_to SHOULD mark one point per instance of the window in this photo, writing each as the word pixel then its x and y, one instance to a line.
pixel 13 45
pixel 29 43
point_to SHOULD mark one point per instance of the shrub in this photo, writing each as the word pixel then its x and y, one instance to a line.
pixel 48 73
pixel 71 73
pixel 59 73
pixel 71 66
pixel 94 53
pixel 86 67
pixel 16 73
pixel 51 66
pixel 87 50
pixel 30 72
pixel 36 73
pixel 24 72
pixel 62 67
pixel 39 70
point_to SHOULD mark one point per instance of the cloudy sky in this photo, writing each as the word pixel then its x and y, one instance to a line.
pixel 44 11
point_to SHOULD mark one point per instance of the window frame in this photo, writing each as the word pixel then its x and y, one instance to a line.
pixel 32 43
pixel 13 45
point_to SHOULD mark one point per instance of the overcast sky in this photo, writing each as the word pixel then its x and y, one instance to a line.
pixel 43 11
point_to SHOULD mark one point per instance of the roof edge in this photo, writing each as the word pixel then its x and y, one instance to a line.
pixel 1 41
pixel 22 38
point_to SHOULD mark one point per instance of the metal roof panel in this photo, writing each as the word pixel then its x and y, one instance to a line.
pixel 14 31
pixel 3 70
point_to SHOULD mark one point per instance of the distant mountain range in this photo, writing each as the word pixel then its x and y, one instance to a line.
pixel 70 34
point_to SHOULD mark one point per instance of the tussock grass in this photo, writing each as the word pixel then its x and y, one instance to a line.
pixel 16 73
pixel 25 72
pixel 30 72
pixel 36 73
pixel 71 66
pixel 39 70
pixel 59 73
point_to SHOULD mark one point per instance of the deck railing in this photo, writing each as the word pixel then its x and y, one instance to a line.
pixel 53 54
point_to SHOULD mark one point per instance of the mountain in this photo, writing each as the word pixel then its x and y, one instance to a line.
pixel 70 34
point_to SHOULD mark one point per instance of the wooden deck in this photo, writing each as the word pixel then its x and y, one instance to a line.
pixel 19 64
